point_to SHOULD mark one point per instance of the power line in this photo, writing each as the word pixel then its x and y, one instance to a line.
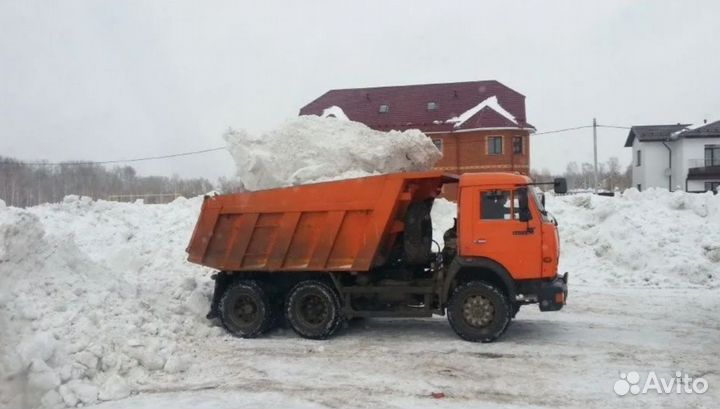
pixel 614 126
pixel 563 130
pixel 107 162
pixel 581 127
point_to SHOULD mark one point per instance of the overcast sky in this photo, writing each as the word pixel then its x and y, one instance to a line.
pixel 98 80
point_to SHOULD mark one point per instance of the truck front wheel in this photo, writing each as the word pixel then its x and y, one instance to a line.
pixel 478 311
pixel 245 310
pixel 313 310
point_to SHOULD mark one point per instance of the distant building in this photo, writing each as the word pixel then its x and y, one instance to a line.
pixel 676 157
pixel 479 126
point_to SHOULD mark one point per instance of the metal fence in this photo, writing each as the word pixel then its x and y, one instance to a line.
pixel 155 198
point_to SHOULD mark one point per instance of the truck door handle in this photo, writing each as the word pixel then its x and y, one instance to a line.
pixel 480 241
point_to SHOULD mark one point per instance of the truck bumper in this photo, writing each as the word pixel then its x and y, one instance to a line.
pixel 553 294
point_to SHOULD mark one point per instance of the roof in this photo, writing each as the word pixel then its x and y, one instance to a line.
pixel 646 133
pixel 709 130
pixel 649 133
pixel 408 106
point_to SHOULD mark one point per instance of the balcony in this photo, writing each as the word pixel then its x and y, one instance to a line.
pixel 704 168
pixel 699 163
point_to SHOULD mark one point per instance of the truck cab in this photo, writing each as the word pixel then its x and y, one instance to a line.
pixel 502 222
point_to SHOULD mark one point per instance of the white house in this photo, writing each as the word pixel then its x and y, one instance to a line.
pixel 676 157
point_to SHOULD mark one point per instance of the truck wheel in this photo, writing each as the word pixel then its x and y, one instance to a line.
pixel 313 310
pixel 478 311
pixel 245 310
pixel 417 237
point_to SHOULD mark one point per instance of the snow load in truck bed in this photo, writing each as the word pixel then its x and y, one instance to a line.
pixel 312 149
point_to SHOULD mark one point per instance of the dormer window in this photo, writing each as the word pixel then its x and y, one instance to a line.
pixel 432 105
pixel 384 108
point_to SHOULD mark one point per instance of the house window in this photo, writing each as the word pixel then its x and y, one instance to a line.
pixel 712 155
pixel 438 144
pixel 384 108
pixel 432 105
pixel 517 144
pixel 712 187
pixel 638 160
pixel 494 145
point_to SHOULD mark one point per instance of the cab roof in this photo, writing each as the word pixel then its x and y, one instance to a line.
pixel 493 178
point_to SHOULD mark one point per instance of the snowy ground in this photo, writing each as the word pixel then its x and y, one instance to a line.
pixel 97 303
pixel 566 359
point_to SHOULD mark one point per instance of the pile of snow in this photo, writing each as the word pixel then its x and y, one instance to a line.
pixel 312 149
pixel 94 297
pixel 654 238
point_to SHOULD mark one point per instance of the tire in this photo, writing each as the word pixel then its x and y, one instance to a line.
pixel 313 310
pixel 417 237
pixel 245 310
pixel 478 312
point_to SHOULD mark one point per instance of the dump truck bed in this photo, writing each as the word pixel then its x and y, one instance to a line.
pixel 347 225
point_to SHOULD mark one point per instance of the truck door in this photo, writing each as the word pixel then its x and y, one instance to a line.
pixel 497 233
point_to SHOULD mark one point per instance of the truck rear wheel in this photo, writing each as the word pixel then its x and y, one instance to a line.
pixel 245 310
pixel 313 310
pixel 478 311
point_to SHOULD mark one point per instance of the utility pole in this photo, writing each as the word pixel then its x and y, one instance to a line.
pixel 595 184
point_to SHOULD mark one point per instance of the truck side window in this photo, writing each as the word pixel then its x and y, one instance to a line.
pixel 495 205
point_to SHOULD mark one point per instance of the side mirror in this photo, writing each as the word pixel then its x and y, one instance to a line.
pixel 523 207
pixel 560 185
pixel 542 199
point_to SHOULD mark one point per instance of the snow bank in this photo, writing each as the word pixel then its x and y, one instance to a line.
pixel 312 149
pixel 654 238
pixel 94 297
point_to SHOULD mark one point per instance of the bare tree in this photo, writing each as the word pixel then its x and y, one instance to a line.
pixel 24 185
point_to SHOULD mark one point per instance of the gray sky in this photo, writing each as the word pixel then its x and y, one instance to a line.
pixel 106 80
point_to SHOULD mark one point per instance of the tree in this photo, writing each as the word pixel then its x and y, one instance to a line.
pixel 24 185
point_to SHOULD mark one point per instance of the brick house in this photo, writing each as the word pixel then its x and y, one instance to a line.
pixel 479 126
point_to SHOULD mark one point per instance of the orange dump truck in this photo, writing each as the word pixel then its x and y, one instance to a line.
pixel 322 253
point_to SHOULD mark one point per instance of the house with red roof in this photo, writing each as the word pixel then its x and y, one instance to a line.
pixel 479 126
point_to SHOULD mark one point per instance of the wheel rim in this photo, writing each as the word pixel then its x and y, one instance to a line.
pixel 478 311
pixel 245 311
pixel 313 310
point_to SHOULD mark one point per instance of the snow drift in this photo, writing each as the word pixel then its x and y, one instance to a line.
pixel 94 298
pixel 313 149
pixel 654 238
